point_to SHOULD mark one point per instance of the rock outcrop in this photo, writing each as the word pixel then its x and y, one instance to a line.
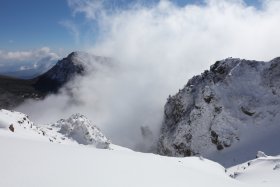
pixel 232 103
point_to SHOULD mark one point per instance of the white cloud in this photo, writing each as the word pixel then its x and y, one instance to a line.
pixel 158 49
pixel 31 55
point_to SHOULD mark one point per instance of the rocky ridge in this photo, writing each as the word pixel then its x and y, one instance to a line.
pixel 235 102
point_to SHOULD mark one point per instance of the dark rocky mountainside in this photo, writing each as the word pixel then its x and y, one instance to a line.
pixel 231 107
pixel 60 74
pixel 14 91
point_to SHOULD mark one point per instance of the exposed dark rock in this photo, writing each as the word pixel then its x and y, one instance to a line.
pixel 11 127
pixel 247 111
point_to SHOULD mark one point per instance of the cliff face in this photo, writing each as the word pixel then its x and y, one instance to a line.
pixel 234 103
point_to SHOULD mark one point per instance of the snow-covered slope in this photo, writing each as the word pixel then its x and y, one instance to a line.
pixel 262 170
pixel 227 113
pixel 18 125
pixel 77 129
pixel 27 163
pixel 52 156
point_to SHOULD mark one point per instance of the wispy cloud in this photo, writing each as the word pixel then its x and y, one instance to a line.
pixel 90 8
pixel 73 29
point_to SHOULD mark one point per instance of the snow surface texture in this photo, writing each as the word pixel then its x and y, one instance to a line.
pixel 75 130
pixel 226 114
pixel 263 170
pixel 27 163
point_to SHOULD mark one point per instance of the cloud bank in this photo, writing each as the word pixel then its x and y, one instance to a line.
pixel 31 55
pixel 156 49
pixel 18 63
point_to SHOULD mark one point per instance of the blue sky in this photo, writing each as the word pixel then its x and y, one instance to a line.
pixel 33 23
pixel 30 24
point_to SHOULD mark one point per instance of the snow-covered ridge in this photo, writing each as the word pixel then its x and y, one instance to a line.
pixel 11 119
pixel 77 129
pixel 262 170
pixel 226 110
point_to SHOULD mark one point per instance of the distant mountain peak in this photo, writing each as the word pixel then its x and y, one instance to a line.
pixel 76 63
pixel 58 75
pixel 14 91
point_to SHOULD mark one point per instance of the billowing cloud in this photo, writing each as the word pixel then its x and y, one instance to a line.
pixel 157 49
